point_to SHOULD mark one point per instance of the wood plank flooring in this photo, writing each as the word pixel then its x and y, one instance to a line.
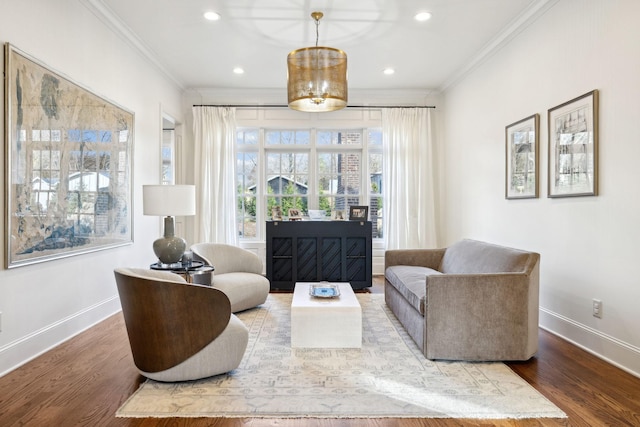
pixel 84 381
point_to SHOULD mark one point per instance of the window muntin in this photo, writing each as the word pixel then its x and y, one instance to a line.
pixel 287 180
pixel 339 137
pixel 246 184
pixel 339 178
pixel 247 137
pixel 287 137
pixel 375 195
pixel 307 169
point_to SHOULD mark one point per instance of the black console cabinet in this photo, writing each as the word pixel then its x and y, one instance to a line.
pixel 314 251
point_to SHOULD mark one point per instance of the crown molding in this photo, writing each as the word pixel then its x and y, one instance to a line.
pixel 515 27
pixel 115 24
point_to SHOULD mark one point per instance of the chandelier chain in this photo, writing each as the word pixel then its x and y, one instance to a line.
pixel 317 32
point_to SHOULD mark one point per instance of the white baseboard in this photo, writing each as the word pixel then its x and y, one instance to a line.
pixel 619 353
pixel 21 351
pixel 377 266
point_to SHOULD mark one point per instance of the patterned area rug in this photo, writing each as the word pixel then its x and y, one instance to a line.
pixel 388 378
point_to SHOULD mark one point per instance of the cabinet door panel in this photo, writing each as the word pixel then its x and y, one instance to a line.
pixel 307 259
pixel 356 247
pixel 282 270
pixel 282 246
pixel 331 258
pixel 356 270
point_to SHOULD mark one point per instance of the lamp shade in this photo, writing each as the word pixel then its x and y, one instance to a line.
pixel 317 79
pixel 169 200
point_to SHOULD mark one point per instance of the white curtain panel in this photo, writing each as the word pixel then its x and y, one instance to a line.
pixel 214 131
pixel 409 174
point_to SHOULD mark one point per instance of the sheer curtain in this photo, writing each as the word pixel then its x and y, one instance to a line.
pixel 409 175
pixel 214 131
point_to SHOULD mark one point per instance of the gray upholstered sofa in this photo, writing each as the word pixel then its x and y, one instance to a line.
pixel 471 301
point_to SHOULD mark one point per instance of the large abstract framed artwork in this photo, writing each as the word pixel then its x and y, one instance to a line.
pixel 522 158
pixel 573 147
pixel 68 166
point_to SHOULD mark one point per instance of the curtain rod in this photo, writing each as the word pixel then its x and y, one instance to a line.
pixel 364 107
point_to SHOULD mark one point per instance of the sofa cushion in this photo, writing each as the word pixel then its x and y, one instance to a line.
pixel 473 257
pixel 411 282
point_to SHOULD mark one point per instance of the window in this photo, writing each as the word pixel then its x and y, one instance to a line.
pixel 247 182
pixel 168 156
pixel 375 181
pixel 327 170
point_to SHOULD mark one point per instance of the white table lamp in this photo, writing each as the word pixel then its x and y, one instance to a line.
pixel 169 201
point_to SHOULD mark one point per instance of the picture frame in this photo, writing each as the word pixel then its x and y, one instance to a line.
pixel 522 164
pixel 573 147
pixel 358 213
pixel 276 213
pixel 295 215
pixel 338 215
pixel 68 165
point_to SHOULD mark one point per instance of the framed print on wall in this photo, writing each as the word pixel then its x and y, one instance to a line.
pixel 68 163
pixel 573 147
pixel 522 141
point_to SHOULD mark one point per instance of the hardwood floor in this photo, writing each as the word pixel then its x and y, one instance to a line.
pixel 85 380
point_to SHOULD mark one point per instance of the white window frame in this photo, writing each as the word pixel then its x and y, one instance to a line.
pixel 364 149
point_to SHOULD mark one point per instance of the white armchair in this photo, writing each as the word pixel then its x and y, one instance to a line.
pixel 238 273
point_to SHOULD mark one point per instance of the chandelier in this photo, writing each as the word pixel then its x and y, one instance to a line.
pixel 317 77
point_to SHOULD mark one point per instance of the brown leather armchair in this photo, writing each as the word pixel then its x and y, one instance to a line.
pixel 178 331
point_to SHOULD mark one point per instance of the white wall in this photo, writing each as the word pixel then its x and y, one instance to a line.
pixel 588 245
pixel 46 303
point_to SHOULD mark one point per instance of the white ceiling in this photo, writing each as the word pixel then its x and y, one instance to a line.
pixel 257 35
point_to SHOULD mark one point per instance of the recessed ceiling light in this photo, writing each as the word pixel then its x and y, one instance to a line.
pixel 422 16
pixel 389 71
pixel 212 16
pixel 238 70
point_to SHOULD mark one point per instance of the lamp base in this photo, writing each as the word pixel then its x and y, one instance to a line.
pixel 169 250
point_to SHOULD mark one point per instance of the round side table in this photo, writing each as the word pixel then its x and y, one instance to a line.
pixel 196 272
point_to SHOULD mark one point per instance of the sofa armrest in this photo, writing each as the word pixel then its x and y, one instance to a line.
pixel 429 258
pixel 482 316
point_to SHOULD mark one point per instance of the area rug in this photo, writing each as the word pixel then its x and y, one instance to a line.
pixel 387 378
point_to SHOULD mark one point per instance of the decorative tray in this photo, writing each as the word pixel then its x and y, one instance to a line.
pixel 324 290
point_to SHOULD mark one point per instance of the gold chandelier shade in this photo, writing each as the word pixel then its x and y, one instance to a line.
pixel 317 77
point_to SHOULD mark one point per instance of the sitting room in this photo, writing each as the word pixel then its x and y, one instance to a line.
pixel 457 183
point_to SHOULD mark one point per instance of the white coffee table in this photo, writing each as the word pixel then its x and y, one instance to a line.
pixel 325 322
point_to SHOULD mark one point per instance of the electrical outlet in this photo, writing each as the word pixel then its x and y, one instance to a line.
pixel 597 308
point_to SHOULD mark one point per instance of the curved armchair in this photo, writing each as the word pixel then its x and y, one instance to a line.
pixel 178 331
pixel 238 273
